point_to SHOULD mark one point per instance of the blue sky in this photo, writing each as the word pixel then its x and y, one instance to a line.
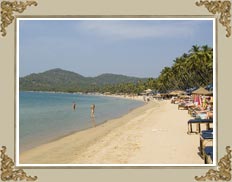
pixel 140 48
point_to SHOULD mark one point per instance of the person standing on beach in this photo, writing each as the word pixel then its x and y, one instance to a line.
pixel 92 110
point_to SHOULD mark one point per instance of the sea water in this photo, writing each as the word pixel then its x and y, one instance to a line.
pixel 47 116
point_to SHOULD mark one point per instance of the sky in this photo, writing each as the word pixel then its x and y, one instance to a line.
pixel 140 48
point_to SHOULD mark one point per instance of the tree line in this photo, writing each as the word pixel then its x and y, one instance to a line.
pixel 192 69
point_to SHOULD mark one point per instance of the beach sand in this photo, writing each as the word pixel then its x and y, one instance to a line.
pixel 155 133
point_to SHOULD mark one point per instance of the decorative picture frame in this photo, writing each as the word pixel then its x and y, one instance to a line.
pixel 222 171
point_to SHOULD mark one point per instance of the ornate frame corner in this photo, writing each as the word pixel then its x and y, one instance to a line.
pixel 7 9
pixel 8 171
pixel 223 172
pixel 222 8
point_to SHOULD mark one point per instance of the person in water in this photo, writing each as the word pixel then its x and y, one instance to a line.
pixel 74 106
pixel 92 108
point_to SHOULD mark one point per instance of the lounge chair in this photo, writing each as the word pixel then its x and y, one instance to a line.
pixel 205 137
pixel 208 154
pixel 193 111
pixel 207 131
pixel 182 106
pixel 198 123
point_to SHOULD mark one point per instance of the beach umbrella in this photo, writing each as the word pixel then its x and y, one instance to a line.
pixel 177 92
pixel 201 91
pixel 197 99
pixel 148 91
pixel 184 96
pixel 194 98
pixel 200 101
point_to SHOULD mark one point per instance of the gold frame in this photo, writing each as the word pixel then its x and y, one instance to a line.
pixel 223 172
pixel 224 163
pixel 8 171
pixel 223 9
pixel 7 12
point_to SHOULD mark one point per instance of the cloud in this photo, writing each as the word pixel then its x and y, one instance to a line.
pixel 125 29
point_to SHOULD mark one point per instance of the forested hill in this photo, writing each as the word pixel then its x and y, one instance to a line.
pixel 66 81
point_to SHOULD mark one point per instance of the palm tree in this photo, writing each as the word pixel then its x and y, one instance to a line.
pixel 194 49
pixel 189 70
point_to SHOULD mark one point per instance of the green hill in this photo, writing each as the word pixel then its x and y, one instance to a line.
pixel 66 81
pixel 109 78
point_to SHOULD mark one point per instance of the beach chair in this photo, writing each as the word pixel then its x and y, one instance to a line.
pixel 198 123
pixel 205 138
pixel 207 131
pixel 182 106
pixel 193 111
pixel 208 155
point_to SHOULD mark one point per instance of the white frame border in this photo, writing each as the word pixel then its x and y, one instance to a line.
pixel 116 165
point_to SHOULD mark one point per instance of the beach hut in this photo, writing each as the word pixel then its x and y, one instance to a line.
pixel 185 97
pixel 177 92
pixel 148 91
pixel 201 91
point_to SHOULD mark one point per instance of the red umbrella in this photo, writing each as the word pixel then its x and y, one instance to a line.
pixel 197 99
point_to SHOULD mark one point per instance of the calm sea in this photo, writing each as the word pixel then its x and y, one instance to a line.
pixel 47 116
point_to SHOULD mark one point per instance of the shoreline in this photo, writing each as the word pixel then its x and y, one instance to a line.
pixel 151 134
pixel 77 131
pixel 52 138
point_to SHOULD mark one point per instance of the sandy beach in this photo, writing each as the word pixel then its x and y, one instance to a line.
pixel 155 133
